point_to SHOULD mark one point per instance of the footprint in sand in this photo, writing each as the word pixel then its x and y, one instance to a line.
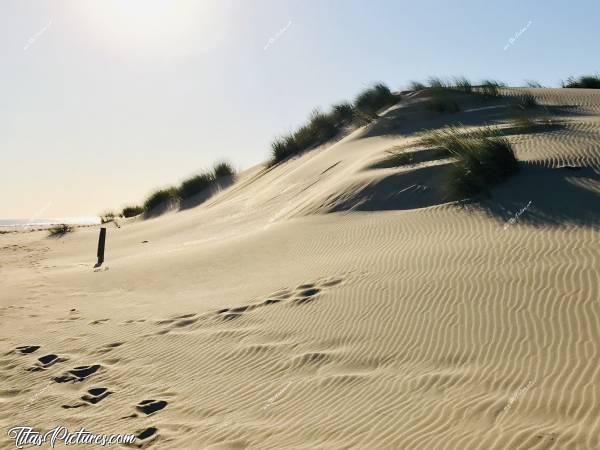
pixel 99 321
pixel 92 397
pixel 149 407
pixel 77 374
pixel 146 436
pixel 46 361
pixel 306 295
pixel 25 349
pixel 308 292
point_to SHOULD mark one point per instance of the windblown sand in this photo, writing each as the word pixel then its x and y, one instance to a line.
pixel 329 303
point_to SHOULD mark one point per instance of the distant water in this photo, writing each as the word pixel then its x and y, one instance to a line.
pixel 92 220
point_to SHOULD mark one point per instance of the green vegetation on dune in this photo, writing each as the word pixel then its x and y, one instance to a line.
pixel 583 82
pixel 132 211
pixel 483 158
pixel 160 198
pixel 321 127
pixel 60 230
pixel 527 101
pixel 188 188
pixel 371 100
pixel 195 184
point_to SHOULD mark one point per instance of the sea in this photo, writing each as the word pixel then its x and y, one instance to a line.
pixel 90 220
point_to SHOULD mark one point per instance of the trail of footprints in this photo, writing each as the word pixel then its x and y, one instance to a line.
pixel 302 294
pixel 95 394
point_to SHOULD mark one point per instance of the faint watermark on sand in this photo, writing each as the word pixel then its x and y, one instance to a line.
pixel 513 398
pixel 37 394
pixel 276 396
pixel 517 35
pixel 277 35
pixel 35 37
pixel 38 214
pixel 514 219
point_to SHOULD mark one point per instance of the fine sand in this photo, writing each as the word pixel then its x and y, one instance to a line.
pixel 330 302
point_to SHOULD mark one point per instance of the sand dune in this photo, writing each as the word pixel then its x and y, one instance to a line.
pixel 330 302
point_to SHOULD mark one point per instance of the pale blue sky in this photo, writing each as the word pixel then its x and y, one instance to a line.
pixel 104 100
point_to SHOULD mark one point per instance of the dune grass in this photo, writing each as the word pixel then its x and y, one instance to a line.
pixel 194 185
pixel 161 198
pixel 60 230
pixel 440 102
pixel 342 113
pixel 283 147
pixel 320 128
pixel 462 84
pixel 583 82
pixel 527 101
pixel 107 216
pixel 223 169
pixel 483 158
pixel 200 182
pixel 132 211
pixel 416 86
pixel 490 88
pixel 188 188
pixel 533 84
pixel 437 83
pixel 323 126
pixel 399 158
pixel 371 100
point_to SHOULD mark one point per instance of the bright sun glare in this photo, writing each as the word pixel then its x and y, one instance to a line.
pixel 155 26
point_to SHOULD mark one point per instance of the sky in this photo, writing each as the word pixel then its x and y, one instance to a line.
pixel 103 101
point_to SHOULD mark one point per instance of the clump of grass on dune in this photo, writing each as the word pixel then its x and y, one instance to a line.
pixel 132 211
pixel 373 99
pixel 416 86
pixel 533 84
pixel 483 158
pixel 583 82
pixel 107 216
pixel 437 83
pixel 284 146
pixel 527 101
pixel 223 169
pixel 342 113
pixel 321 127
pixel 60 230
pixel 490 88
pixel 165 198
pixel 161 198
pixel 462 84
pixel 195 184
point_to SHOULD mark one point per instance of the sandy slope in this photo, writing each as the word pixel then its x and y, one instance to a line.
pixel 329 303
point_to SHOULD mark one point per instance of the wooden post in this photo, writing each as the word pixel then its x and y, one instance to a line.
pixel 101 241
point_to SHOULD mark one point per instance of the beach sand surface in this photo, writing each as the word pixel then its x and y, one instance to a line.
pixel 329 303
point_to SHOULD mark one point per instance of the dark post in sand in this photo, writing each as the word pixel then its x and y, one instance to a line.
pixel 101 241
